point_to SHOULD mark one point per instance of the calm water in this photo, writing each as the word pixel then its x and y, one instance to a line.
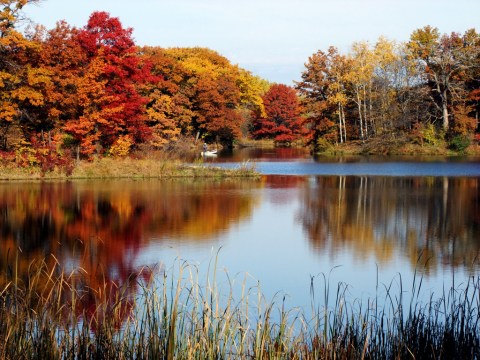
pixel 350 219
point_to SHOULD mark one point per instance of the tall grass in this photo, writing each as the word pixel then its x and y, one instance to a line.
pixel 181 314
pixel 114 168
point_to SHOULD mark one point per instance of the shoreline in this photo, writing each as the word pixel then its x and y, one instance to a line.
pixel 151 168
pixel 389 149
pixel 127 168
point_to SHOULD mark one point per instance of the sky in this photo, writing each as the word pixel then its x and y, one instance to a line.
pixel 270 38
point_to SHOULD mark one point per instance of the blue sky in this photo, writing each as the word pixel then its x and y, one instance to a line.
pixel 271 38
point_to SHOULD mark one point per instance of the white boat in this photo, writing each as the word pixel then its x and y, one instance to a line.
pixel 209 153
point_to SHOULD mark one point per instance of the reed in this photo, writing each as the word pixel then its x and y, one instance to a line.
pixel 115 168
pixel 181 313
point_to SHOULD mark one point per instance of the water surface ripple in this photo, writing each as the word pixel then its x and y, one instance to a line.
pixel 307 168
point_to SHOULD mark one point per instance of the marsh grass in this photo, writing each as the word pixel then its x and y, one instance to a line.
pixel 179 313
pixel 116 168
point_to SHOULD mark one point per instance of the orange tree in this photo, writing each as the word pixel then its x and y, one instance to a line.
pixel 324 97
pixel 209 82
pixel 447 63
pixel 111 107
pixel 199 93
pixel 168 109
pixel 19 82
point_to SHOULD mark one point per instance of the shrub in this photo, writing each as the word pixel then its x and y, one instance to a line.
pixel 6 157
pixel 427 133
pixel 323 145
pixel 121 147
pixel 460 143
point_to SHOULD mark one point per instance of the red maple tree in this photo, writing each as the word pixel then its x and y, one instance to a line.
pixel 118 108
pixel 283 121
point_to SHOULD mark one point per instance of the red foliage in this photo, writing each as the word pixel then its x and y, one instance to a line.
pixel 6 157
pixel 283 122
pixel 105 37
pixel 48 157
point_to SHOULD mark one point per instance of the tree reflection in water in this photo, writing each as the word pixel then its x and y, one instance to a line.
pixel 433 221
pixel 95 230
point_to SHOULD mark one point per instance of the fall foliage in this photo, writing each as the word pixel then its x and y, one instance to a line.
pixel 423 91
pixel 69 93
pixel 282 120
pixel 91 91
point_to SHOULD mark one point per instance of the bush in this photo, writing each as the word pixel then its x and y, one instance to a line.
pixel 122 146
pixel 6 158
pixel 323 145
pixel 460 143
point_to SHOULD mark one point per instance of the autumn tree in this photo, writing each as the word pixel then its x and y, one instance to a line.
pixel 467 112
pixel 198 93
pixel 62 55
pixel 446 61
pixel 282 121
pixel 168 108
pixel 324 97
pixel 360 78
pixel 210 83
pixel 386 58
pixel 251 88
pixel 19 82
pixel 116 110
pixel 34 83
pixel 384 90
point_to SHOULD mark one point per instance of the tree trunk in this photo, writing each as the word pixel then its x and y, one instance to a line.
pixel 365 117
pixel 340 131
pixel 445 110
pixel 359 104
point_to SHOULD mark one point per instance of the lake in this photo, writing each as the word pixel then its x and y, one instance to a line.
pixel 363 221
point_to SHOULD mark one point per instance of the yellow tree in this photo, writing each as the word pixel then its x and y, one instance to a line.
pixel 386 57
pixel 339 66
pixel 360 78
pixel 161 115
pixel 251 88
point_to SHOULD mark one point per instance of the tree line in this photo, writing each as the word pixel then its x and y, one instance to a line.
pixel 92 90
pixel 424 90
pixel 73 92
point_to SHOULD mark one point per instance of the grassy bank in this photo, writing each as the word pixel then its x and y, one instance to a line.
pixel 126 168
pixel 389 146
pixel 178 315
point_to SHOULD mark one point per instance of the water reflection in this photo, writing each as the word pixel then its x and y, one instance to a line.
pixel 281 229
pixel 434 219
pixel 264 154
pixel 101 226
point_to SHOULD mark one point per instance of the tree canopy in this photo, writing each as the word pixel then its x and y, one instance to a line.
pixel 91 91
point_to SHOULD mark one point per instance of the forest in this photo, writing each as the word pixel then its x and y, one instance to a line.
pixel 77 93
